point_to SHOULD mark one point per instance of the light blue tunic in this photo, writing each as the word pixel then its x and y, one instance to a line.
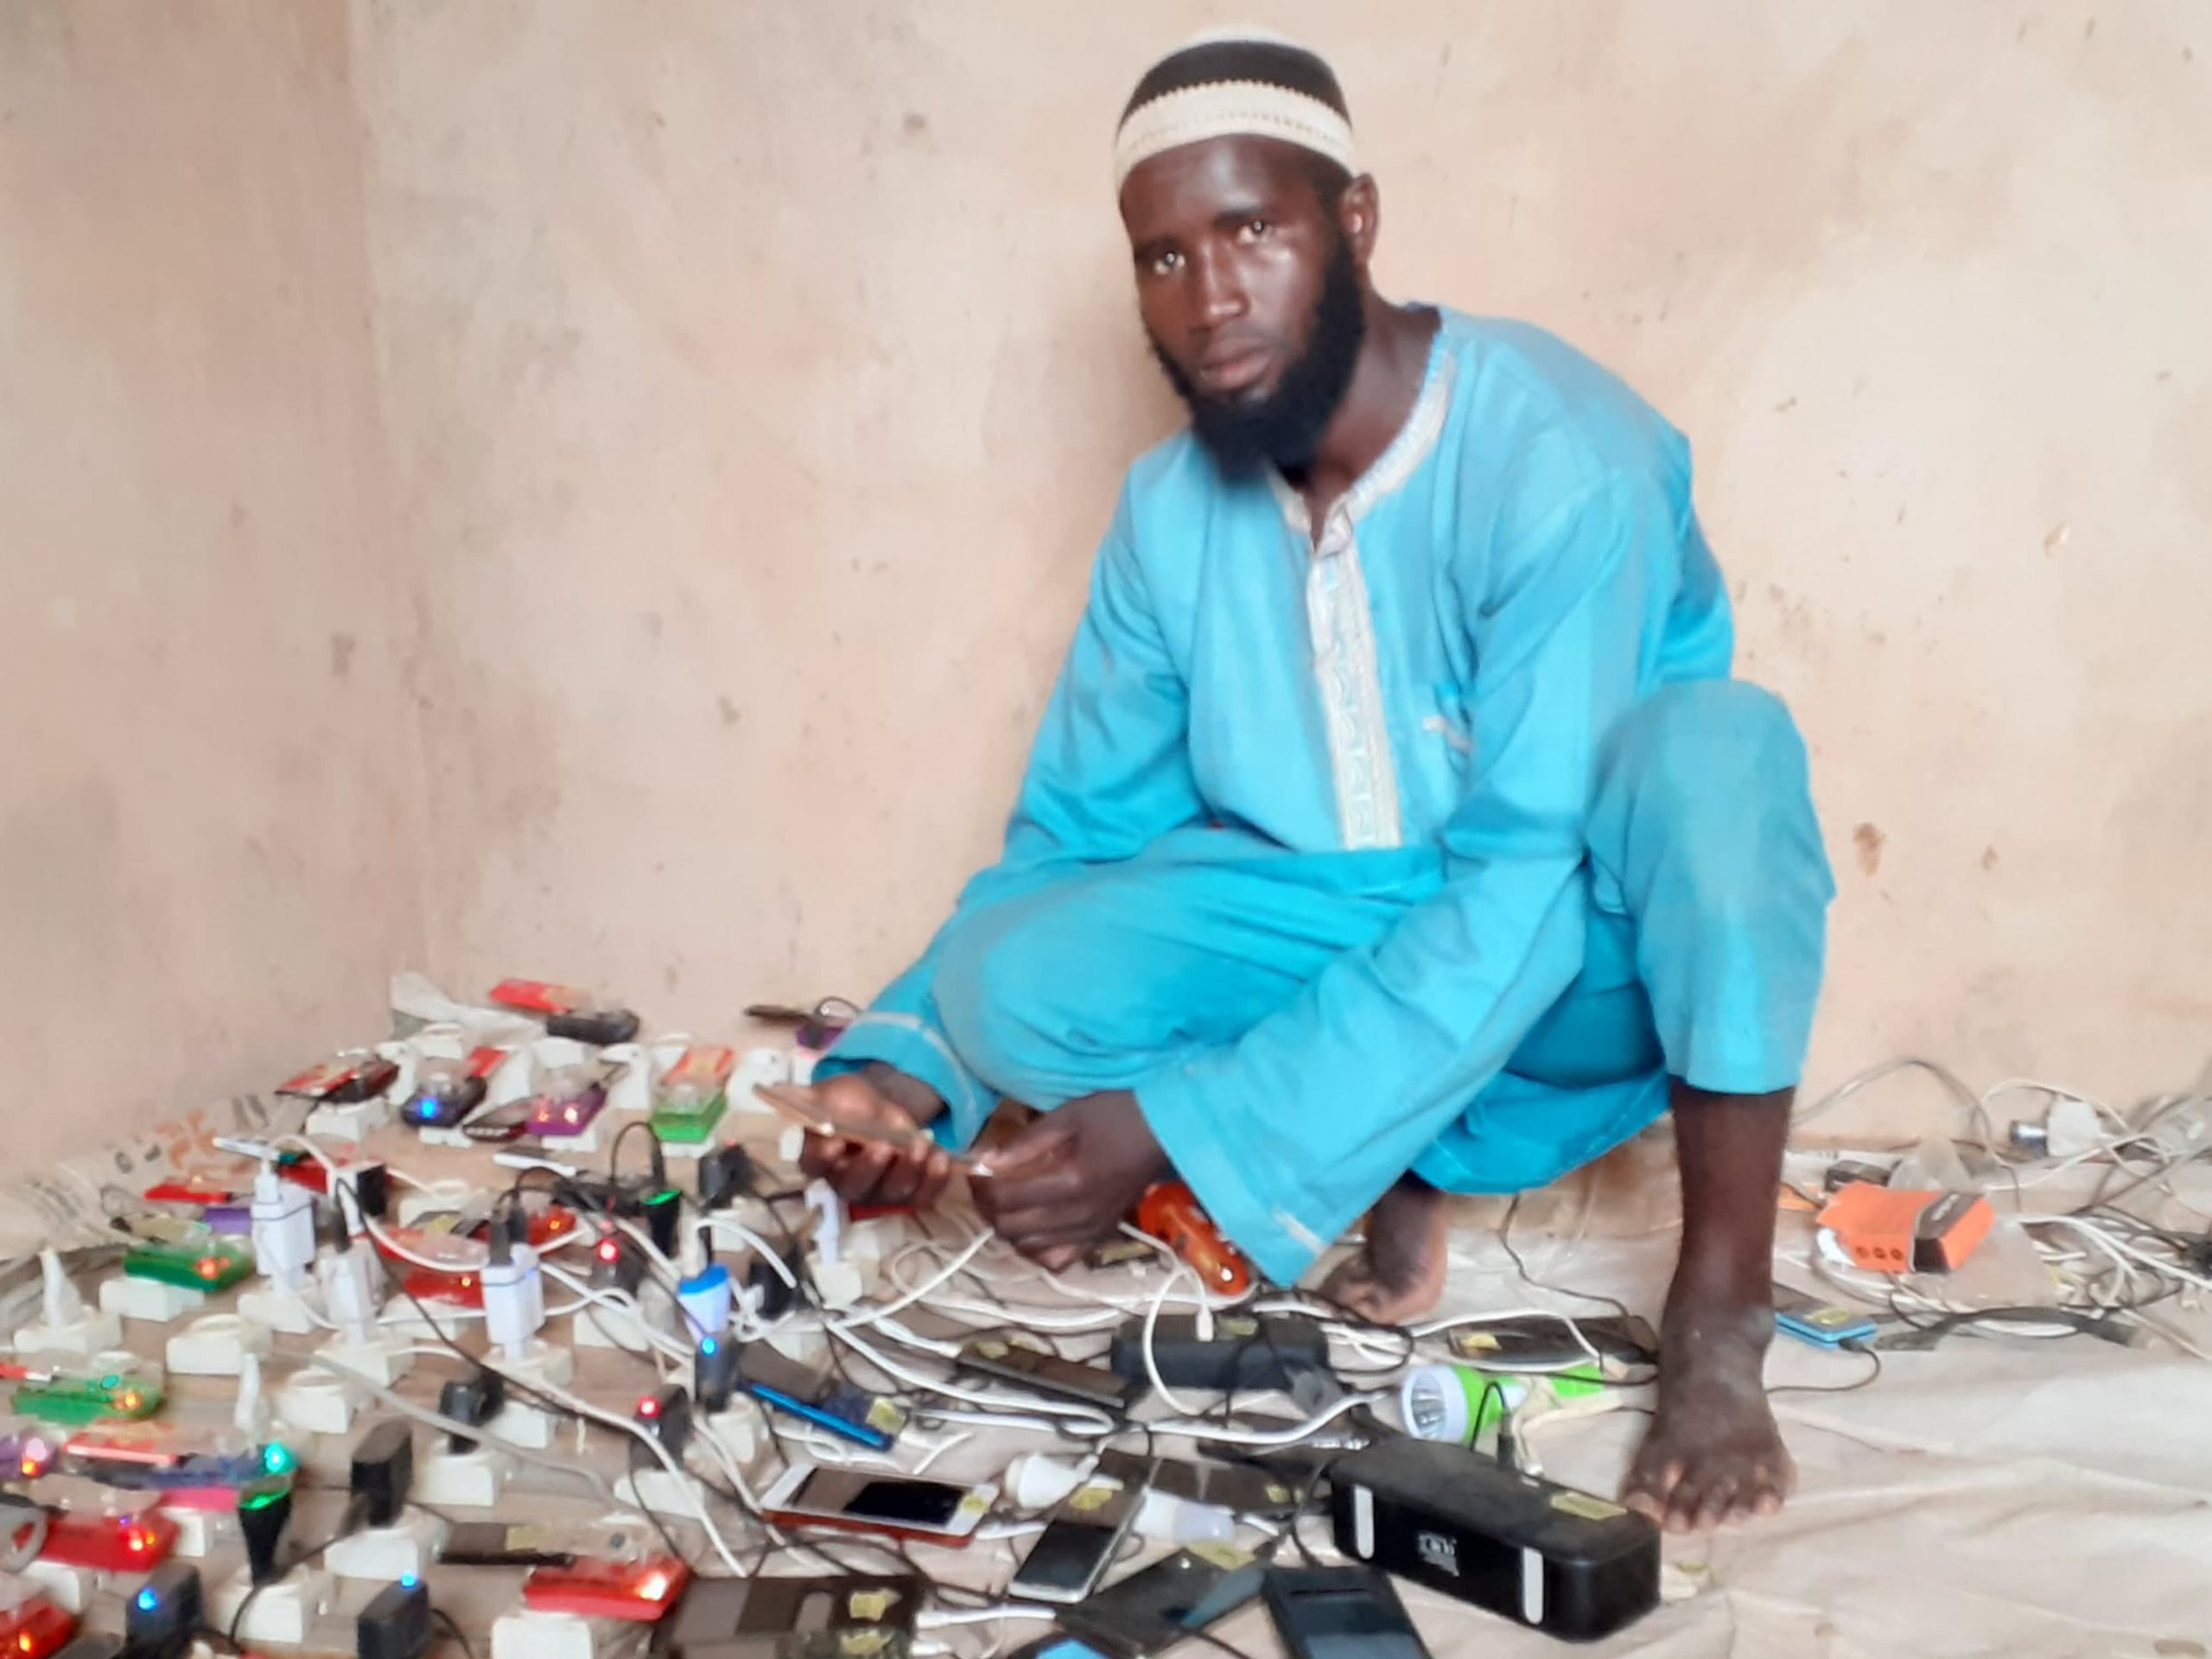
pixel 1390 846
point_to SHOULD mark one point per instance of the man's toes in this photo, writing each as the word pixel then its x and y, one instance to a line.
pixel 1651 1486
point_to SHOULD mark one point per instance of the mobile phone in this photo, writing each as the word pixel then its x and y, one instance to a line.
pixel 1044 1373
pixel 933 1511
pixel 1539 1342
pixel 1156 1607
pixel 1822 1324
pixel 1339 1612
pixel 812 1617
pixel 1078 1543
pixel 802 1105
pixel 495 1543
pixel 639 1593
pixel 828 1401
pixel 500 1123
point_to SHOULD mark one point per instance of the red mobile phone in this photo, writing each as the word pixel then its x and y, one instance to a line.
pixel 639 1592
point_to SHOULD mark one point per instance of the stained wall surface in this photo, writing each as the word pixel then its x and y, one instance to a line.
pixel 210 848
pixel 717 404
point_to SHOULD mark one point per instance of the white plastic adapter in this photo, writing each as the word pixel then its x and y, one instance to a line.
pixel 283 1228
pixel 69 1588
pixel 355 1121
pixel 405 1548
pixel 463 1480
pixel 296 1313
pixel 316 1402
pixel 198 1532
pixel 740 1427
pixel 529 1634
pixel 151 1299
pixel 66 1325
pixel 280 1613
pixel 2072 1127
pixel 215 1345
pixel 529 1426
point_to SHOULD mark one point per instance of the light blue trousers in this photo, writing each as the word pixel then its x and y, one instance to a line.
pixel 1707 889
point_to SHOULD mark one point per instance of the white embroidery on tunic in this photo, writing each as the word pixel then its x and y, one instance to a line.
pixel 1342 626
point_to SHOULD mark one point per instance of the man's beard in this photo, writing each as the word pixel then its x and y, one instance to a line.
pixel 1285 427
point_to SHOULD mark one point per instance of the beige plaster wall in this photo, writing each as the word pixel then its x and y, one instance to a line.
pixel 718 402
pixel 765 372
pixel 209 846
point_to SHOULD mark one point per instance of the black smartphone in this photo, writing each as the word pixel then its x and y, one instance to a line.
pixel 501 1123
pixel 1339 1612
pixel 1156 1607
pixel 1044 1373
pixel 495 1543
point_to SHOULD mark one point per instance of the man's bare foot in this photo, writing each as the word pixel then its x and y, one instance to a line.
pixel 1713 1454
pixel 1399 1272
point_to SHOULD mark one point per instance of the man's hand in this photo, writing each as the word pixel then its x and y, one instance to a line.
pixel 874 1172
pixel 1070 1179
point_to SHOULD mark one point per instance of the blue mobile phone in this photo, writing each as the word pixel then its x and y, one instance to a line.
pixel 1819 1323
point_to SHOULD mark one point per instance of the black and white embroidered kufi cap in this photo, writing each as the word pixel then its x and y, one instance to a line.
pixel 1232 82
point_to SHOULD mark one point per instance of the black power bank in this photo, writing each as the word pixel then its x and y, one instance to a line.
pixel 1558 1561
pixel 1246 1352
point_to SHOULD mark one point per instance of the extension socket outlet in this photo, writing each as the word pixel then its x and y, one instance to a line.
pixel 404 1549
pixel 527 1427
pixel 742 1431
pixel 318 1403
pixel 198 1531
pixel 355 1121
pixel 215 1345
pixel 296 1313
pixel 69 1588
pixel 280 1614
pixel 383 1360
pixel 604 1325
pixel 540 1363
pixel 807 1347
pixel 154 1300
pixel 462 1480
pixel 526 1634
pixel 658 1492
pixel 94 1331
pixel 433 1320
pixel 838 1284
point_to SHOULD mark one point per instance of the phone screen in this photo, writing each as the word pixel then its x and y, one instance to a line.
pixel 905 1503
pixel 1066 1557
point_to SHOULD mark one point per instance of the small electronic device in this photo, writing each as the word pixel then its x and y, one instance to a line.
pixel 637 1592
pixel 693 1093
pixel 115 1395
pixel 35 1628
pixel 1078 1543
pixel 498 1544
pixel 567 1011
pixel 1247 1352
pixel 109 1543
pixel 803 1105
pixel 1562 1561
pixel 1048 1374
pixel 1892 1230
pixel 1539 1342
pixel 572 1097
pixel 447 1091
pixel 1171 1213
pixel 1339 1612
pixel 343 1081
pixel 500 1123
pixel 396 1625
pixel 1822 1324
pixel 164 1614
pixel 834 1618
pixel 208 1262
pixel 1160 1605
pixel 848 1411
pixel 933 1511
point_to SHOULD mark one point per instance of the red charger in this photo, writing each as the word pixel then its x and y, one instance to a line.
pixel 109 1543
pixel 35 1628
pixel 639 1592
